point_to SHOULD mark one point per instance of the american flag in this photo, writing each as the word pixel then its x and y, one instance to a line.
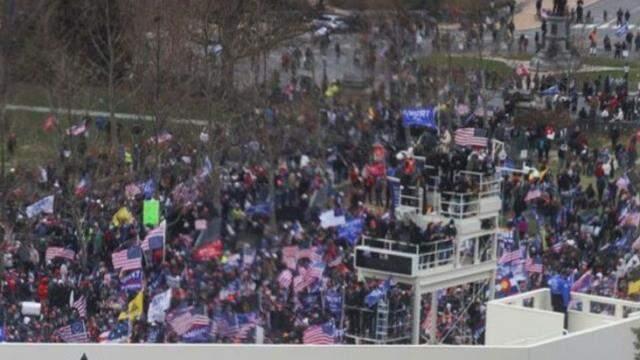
pixel 319 334
pixel 583 283
pixel 78 129
pixel 471 137
pixel 557 247
pixel 233 326
pixel 73 333
pixel 533 194
pixel 426 323
pixel 299 284
pixel 155 238
pixel 305 253
pixel 128 259
pixel 509 256
pixel 162 138
pixel 315 271
pixel 285 278
pixel 335 262
pixel 533 266
pixel 81 306
pixel 290 256
pixel 245 323
pixel 184 320
pixel 632 219
pixel 54 252
pixel 81 187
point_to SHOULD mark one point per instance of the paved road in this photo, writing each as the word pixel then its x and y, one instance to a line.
pixel 603 27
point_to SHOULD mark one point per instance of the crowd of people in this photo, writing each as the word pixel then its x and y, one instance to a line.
pixel 241 249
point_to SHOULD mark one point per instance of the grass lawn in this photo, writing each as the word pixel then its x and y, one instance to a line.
pixel 634 76
pixel 609 62
pixel 468 62
pixel 517 56
pixel 36 147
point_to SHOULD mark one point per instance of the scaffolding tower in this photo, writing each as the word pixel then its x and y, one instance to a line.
pixel 468 258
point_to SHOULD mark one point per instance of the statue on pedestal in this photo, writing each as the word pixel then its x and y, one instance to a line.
pixel 556 52
pixel 559 7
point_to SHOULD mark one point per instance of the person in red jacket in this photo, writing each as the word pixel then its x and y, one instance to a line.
pixel 43 289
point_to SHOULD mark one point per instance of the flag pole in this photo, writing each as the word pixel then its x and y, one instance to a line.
pixel 342 311
pixel 164 240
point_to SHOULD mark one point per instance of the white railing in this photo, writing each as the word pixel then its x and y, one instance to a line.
pixel 592 304
pixel 441 254
pixel 412 197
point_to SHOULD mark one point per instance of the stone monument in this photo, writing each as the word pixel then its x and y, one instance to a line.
pixel 557 53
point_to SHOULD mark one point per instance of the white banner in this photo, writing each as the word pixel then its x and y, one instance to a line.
pixel 44 205
pixel 158 306
pixel 329 219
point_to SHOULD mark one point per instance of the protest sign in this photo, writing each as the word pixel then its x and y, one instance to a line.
pixel 151 212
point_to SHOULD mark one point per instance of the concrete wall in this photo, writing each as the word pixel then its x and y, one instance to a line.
pixel 515 325
pixel 612 342
pixel 579 321
pixel 255 352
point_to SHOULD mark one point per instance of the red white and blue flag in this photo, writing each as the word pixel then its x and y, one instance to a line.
pixel 510 256
pixel 471 137
pixel 80 305
pixel 128 259
pixel 75 332
pixel 155 238
pixel 533 266
pixel 319 334
pixel 59 252
pixel 77 129
pixel 285 278
pixel 182 321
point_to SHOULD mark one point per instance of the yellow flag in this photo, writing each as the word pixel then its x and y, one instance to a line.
pixel 634 287
pixel 134 310
pixel 123 216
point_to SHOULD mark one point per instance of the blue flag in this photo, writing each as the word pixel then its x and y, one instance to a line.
pixel 263 209
pixel 622 30
pixel 378 293
pixel 333 301
pixel 132 282
pixel 154 334
pixel 2 333
pixel 554 90
pixel 148 189
pixel 351 231
pixel 420 117
pixel 197 334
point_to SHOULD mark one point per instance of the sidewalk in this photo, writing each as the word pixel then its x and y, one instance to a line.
pixel 525 18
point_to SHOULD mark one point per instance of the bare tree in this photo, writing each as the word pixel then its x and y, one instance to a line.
pixel 107 36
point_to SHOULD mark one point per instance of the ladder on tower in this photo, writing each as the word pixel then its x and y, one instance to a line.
pixel 382 320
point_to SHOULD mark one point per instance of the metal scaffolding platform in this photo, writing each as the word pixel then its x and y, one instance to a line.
pixel 442 262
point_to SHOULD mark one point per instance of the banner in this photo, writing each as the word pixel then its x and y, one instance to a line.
pixel 333 301
pixel 132 282
pixel 422 117
pixel 44 205
pixel 151 212
pixel 351 231
pixel 329 219
pixel 158 306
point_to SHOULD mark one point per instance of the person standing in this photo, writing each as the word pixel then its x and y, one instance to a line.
pixel 579 12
